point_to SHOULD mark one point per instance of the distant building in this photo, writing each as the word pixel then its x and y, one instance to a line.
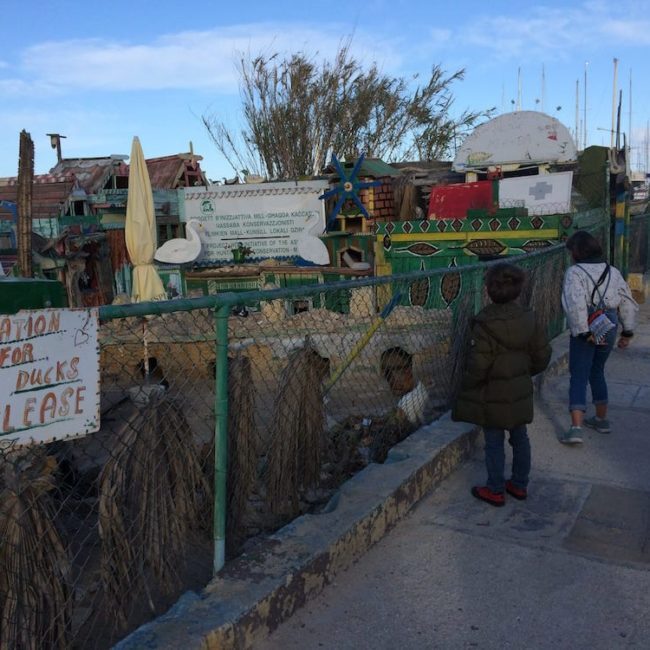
pixel 78 214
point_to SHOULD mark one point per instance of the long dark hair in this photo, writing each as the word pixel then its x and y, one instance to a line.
pixel 584 246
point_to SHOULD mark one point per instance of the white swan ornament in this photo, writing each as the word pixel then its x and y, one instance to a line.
pixel 312 249
pixel 182 251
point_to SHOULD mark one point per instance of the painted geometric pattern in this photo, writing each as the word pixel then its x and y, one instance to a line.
pixel 485 247
pixel 535 245
pixel 450 287
pixel 422 248
pixel 485 224
pixel 419 291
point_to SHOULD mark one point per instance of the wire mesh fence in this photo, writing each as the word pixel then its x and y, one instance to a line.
pixel 310 385
pixel 639 243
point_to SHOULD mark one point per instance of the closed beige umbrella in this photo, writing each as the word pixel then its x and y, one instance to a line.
pixel 140 230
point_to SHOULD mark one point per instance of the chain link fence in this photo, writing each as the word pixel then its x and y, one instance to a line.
pixel 304 387
pixel 639 243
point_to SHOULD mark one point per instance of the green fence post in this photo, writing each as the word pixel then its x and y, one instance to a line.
pixel 221 436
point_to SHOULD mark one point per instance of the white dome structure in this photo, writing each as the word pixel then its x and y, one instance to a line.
pixel 519 138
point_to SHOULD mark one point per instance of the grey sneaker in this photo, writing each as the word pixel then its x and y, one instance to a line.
pixel 571 437
pixel 600 425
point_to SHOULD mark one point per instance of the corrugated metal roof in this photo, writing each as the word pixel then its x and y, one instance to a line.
pixel 52 191
pixel 49 195
pixel 172 172
pixel 92 173
pixel 371 167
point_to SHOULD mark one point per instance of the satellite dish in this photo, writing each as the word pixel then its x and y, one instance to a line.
pixel 182 251
pixel 313 250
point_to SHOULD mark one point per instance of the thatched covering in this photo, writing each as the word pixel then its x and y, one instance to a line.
pixel 35 592
pixel 152 495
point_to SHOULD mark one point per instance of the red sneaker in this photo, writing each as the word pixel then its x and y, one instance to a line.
pixel 516 492
pixel 485 494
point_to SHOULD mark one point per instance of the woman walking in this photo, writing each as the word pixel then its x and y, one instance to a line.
pixel 595 298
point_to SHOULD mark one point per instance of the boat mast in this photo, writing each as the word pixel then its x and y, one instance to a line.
pixel 577 131
pixel 584 108
pixel 611 144
pixel 629 127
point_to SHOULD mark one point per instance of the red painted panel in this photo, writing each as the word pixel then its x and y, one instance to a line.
pixel 453 201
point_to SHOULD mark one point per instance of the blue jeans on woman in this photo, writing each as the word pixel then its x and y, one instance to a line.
pixel 587 366
pixel 495 457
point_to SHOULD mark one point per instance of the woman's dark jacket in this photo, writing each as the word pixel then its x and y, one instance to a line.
pixel 507 349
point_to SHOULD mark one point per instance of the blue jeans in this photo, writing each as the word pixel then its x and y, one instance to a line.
pixel 587 366
pixel 495 457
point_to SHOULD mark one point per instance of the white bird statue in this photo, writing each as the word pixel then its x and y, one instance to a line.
pixel 312 249
pixel 310 246
pixel 182 251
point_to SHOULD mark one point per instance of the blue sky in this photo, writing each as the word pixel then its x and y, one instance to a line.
pixel 100 73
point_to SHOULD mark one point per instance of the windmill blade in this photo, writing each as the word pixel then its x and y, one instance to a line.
pixel 357 166
pixel 335 211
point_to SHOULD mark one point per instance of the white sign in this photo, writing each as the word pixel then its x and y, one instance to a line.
pixel 49 375
pixel 541 194
pixel 267 218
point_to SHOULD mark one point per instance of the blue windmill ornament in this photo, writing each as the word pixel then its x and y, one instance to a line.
pixel 347 188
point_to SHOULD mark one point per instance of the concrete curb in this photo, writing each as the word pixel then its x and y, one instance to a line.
pixel 259 590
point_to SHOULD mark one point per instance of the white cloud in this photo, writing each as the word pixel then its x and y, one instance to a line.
pixel 188 60
pixel 545 32
pixel 440 36
pixel 629 32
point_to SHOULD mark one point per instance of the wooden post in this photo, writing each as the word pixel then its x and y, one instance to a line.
pixel 24 204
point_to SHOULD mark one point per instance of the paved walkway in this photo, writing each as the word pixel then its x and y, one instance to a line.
pixel 569 568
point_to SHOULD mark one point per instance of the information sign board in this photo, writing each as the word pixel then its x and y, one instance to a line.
pixel 267 218
pixel 49 375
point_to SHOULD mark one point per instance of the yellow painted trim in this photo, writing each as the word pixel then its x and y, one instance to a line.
pixel 380 257
pixel 547 233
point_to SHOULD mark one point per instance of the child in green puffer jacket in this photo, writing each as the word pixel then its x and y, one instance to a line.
pixel 508 348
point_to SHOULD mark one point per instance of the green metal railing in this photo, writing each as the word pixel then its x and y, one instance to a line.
pixel 248 422
pixel 470 276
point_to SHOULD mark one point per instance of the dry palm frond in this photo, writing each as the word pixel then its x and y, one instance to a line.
pixel 294 459
pixel 460 346
pixel 152 494
pixel 243 448
pixel 35 592
pixel 546 293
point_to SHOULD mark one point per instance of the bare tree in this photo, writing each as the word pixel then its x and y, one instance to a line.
pixel 297 112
